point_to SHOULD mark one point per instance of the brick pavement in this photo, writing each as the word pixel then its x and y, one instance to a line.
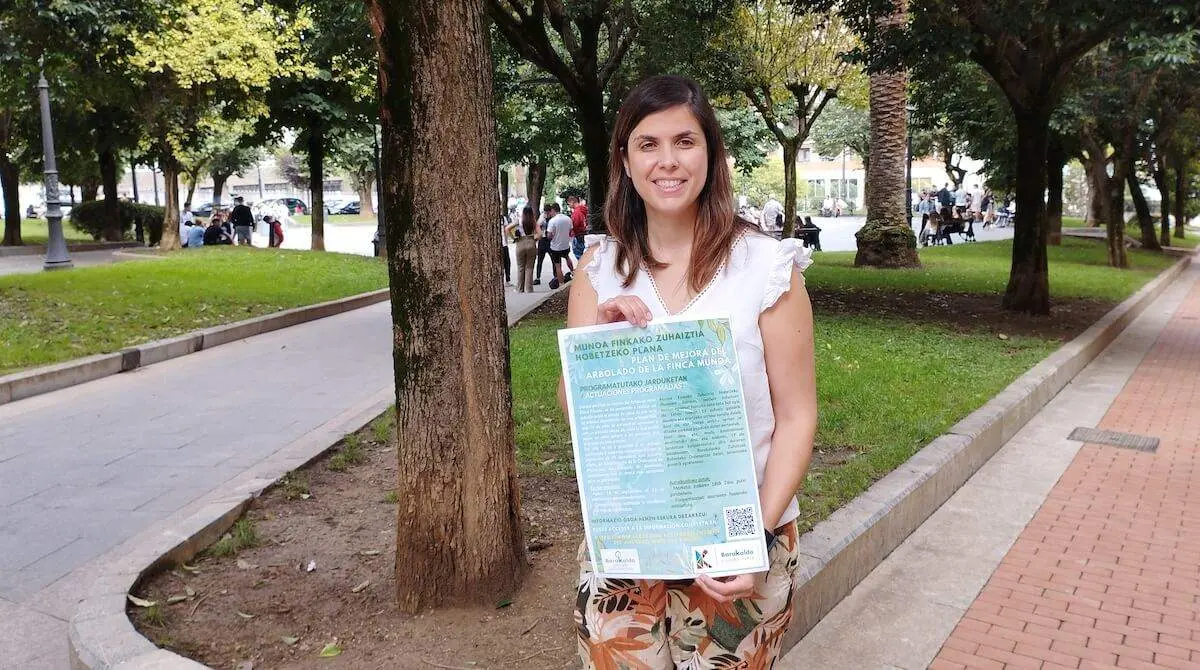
pixel 1107 573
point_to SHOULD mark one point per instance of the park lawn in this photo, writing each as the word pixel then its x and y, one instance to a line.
pixel 885 389
pixel 55 316
pixel 37 231
pixel 305 220
pixel 1078 269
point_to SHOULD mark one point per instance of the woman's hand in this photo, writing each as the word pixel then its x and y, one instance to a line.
pixel 624 308
pixel 727 589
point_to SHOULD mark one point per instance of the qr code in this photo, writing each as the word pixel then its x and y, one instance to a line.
pixel 739 522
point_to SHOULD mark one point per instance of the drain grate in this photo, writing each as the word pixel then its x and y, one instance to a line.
pixel 1115 439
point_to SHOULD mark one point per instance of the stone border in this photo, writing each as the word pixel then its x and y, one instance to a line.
pixel 100 634
pixel 26 383
pixel 837 554
pixel 842 550
pixel 39 249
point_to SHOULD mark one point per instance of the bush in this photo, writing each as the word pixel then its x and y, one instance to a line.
pixel 88 217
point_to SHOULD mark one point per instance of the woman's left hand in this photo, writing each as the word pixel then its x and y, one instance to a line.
pixel 727 589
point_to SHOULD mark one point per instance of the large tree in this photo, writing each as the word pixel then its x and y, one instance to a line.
pixel 887 240
pixel 790 64
pixel 458 529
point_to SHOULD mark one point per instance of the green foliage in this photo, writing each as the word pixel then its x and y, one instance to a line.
pixel 764 182
pixel 381 428
pixel 50 317
pixel 88 217
pixel 243 535
pixel 295 484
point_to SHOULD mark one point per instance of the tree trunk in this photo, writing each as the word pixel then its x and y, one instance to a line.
pixel 790 151
pixel 113 231
pixel 886 240
pixel 1056 160
pixel 218 189
pixel 504 188
pixel 1145 218
pixel 1114 233
pixel 10 181
pixel 1098 198
pixel 366 205
pixel 594 129
pixel 1180 194
pixel 316 182
pixel 1159 170
pixel 89 190
pixel 170 229
pixel 459 527
pixel 1028 280
pixel 535 183
pixel 192 178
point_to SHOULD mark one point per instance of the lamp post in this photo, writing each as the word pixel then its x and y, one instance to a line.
pixel 380 235
pixel 56 247
pixel 908 207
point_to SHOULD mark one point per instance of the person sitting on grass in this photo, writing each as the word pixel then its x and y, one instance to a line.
pixel 215 233
pixel 195 234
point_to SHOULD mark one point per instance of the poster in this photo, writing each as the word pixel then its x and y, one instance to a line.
pixel 662 449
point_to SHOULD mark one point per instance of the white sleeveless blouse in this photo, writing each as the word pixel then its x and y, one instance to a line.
pixel 758 272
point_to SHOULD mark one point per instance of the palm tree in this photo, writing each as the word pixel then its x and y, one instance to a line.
pixel 887 240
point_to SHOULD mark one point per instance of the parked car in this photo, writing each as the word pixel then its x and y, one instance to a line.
pixel 292 204
pixel 332 205
pixel 349 207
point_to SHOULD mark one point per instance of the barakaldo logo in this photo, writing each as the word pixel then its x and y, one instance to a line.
pixel 735 554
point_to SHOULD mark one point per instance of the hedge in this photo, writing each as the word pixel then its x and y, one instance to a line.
pixel 88 217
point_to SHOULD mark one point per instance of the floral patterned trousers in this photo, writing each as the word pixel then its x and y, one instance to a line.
pixel 628 624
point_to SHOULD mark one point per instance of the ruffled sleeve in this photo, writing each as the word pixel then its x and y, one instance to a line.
pixel 601 243
pixel 789 253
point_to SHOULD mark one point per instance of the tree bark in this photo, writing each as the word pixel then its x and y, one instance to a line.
pixel 535 183
pixel 1159 171
pixel 1056 160
pixel 1145 218
pixel 1029 279
pixel 170 229
pixel 366 205
pixel 316 182
pixel 1114 233
pixel 594 129
pixel 458 528
pixel 886 240
pixel 192 178
pixel 218 189
pixel 10 181
pixel 790 152
pixel 89 190
pixel 107 157
pixel 1180 192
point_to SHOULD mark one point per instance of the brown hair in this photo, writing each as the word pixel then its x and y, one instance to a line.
pixel 625 211
pixel 528 220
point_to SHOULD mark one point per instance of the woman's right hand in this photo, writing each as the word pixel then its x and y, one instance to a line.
pixel 624 308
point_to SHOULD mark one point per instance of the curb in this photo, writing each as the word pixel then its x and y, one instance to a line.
pixel 842 550
pixel 100 634
pixel 27 383
pixel 39 249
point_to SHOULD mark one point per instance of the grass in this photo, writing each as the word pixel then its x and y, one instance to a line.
pixel 243 535
pixel 382 426
pixel 1078 268
pixel 350 454
pixel 885 388
pixel 305 220
pixel 295 484
pixel 50 317
pixel 37 231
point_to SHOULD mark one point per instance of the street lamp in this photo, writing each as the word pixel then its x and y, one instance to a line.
pixel 56 247
pixel 908 164
pixel 380 234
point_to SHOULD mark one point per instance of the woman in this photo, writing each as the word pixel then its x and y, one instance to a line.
pixel 674 247
pixel 526 250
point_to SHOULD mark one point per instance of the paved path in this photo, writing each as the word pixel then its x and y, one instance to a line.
pixel 86 468
pixel 29 263
pixel 1056 554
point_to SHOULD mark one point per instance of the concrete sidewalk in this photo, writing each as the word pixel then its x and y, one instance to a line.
pixel 1023 569
pixel 86 468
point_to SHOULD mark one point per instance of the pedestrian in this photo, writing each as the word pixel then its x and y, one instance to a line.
pixel 274 231
pixel 526 250
pixel 215 233
pixel 506 230
pixel 926 207
pixel 559 232
pixel 193 234
pixel 839 207
pixel 543 241
pixel 675 248
pixel 945 197
pixel 579 224
pixel 242 219
pixel 772 215
pixel 960 201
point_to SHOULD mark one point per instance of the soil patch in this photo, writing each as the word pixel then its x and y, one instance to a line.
pixel 262 608
pixel 962 312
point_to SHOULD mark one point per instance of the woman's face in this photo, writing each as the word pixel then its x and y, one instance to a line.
pixel 667 159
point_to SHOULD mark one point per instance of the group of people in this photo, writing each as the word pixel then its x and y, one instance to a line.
pixel 234 227
pixel 555 234
pixel 950 210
